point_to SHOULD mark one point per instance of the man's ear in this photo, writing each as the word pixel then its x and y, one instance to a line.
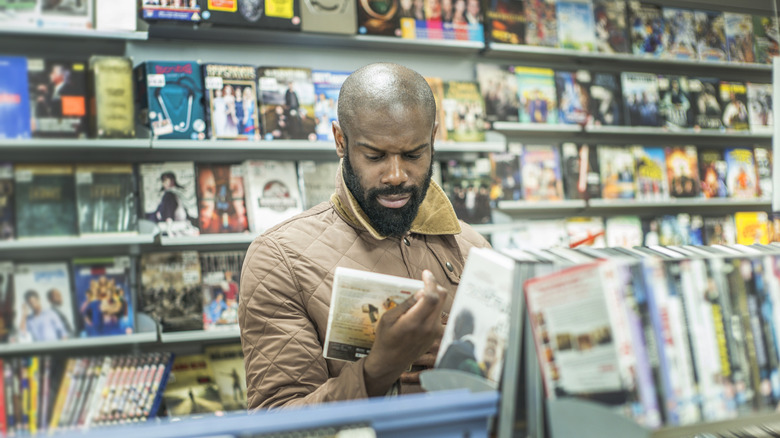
pixel 338 136
pixel 435 130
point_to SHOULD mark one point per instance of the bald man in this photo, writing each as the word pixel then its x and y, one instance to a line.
pixel 386 216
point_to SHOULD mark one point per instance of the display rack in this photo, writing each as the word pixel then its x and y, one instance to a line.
pixel 80 345
pixel 73 34
pixel 216 335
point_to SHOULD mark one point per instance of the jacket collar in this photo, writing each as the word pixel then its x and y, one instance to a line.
pixel 435 216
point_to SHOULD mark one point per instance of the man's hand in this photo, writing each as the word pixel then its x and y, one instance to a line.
pixel 403 334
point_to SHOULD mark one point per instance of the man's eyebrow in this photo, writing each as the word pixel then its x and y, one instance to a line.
pixel 368 146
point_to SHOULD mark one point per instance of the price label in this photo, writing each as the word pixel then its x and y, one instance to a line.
pixel 155 81
pixel 213 83
pixel 83 178
pixel 24 176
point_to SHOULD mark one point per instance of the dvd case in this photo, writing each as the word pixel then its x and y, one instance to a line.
pixel 58 97
pixel 106 200
pixel 279 14
pixel 45 198
pixel 168 197
pixel 43 306
pixel 15 108
pixel 287 99
pixel 231 102
pixel 7 228
pixel 221 207
pixel 103 299
pixel 155 10
pixel 576 28
pixel 610 26
pixel 327 85
pixel 711 35
pixel 112 104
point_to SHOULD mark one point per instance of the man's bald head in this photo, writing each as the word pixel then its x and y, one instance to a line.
pixel 386 87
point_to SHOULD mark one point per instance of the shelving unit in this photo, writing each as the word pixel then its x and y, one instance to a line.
pixel 71 34
pixel 216 335
pixel 208 239
pixel 80 344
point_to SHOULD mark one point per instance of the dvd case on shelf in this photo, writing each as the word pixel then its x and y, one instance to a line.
pixel 106 199
pixel 231 102
pixel 15 112
pixel 104 302
pixel 58 97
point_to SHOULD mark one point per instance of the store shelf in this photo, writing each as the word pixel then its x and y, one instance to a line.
pixel 557 206
pixel 208 239
pixel 221 145
pixel 52 243
pixel 598 207
pixel 73 143
pixel 513 127
pixel 79 344
pixel 73 33
pixel 450 146
pixel 226 334
pixel 649 131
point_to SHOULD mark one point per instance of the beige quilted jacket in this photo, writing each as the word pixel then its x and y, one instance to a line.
pixel 286 287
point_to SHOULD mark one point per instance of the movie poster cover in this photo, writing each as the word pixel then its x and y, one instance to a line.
pixel 382 17
pixel 538 100
pixel 752 227
pixel 45 196
pixel 719 231
pixel 327 85
pixel 227 364
pixel 191 388
pixel 169 99
pixel 675 104
pixel 651 183
pixel 43 306
pixel 106 201
pixel 318 181
pixel 733 97
pixel 104 305
pixel 448 20
pixel 467 184
pixel 767 39
pixel 541 173
pixel 741 174
pixel 272 195
pixel 760 107
pixel 15 110
pixel 507 180
pixel 617 167
pixel 576 28
pixel 221 273
pixel 646 23
pixel 541 24
pixel 498 85
pixel 679 34
pixel 335 17
pixel 711 35
pixel 707 107
pixel 231 102
pixel 586 231
pixel 6 300
pixel 739 37
pixel 581 177
pixel 464 111
pixel 168 197
pixel 624 231
pixel 171 290
pixel 610 26
pixel 505 20
pixel 682 169
pixel 161 10
pixel 281 14
pixel 606 100
pixel 65 14
pixel 572 93
pixel 112 100
pixel 7 229
pixel 221 207
pixel 640 92
pixel 287 103
pixel 437 87
pixel 763 157
pixel 712 170
pixel 58 98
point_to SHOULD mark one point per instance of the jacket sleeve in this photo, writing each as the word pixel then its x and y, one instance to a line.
pixel 282 351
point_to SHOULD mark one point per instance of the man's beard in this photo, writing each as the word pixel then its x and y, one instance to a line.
pixel 391 222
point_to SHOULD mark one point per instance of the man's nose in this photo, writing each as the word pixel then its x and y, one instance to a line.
pixel 395 174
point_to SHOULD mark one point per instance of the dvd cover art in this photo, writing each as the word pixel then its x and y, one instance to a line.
pixel 712 171
pixel 752 227
pixel 679 34
pixel 160 10
pixel 541 173
pixel 586 231
pixel 651 183
pixel 682 168
pixel 281 14
pixel 318 180
pixel 73 14
pixel 581 177
pixel 606 100
pixel 22 13
pixel 170 291
pixel 707 108
pixel 221 207
pixel 58 97
pixel 505 20
pixel 610 26
pixel 231 101
pixel 6 300
pixel 287 103
pixel 335 17
pixel 221 272
pixel 541 24
pixel 437 87
pixel 272 193
pixel 719 231
pixel 646 23
pixel 327 85
pixel 767 39
pixel 640 91
pixel 651 231
pixel 105 196
pixel 507 180
pixel 169 99
pixel 576 28
pixel 112 103
pixel 227 363
pixel 741 174
pixel 675 102
pixel 382 17
pixel 464 111
pixel 624 231
pixel 498 85
pixel 43 307
pixel 538 101
pixel 617 168
pixel 191 388
pixel 760 109
pixel 763 157
pixel 711 35
pixel 14 98
pixel 573 100
pixel 733 97
pixel 7 229
pixel 45 196
pixel 448 20
pixel 739 37
pixel 467 184
pixel 168 197
pixel 104 305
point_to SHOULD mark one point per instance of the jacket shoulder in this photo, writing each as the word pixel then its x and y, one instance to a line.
pixel 469 237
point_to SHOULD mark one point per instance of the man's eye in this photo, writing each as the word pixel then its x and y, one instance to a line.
pixel 373 157
pixel 413 156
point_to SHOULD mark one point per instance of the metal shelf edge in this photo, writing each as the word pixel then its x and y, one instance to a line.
pixel 96 342
pixel 200 335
